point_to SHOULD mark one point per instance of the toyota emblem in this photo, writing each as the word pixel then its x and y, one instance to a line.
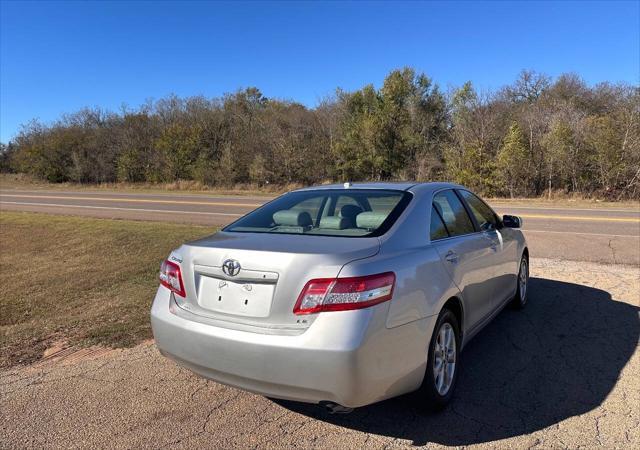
pixel 231 267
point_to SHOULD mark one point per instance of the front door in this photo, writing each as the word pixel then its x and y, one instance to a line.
pixel 504 249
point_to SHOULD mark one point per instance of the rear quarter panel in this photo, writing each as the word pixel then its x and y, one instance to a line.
pixel 422 284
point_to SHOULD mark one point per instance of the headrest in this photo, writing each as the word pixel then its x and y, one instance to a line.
pixel 370 220
pixel 292 217
pixel 350 211
pixel 334 223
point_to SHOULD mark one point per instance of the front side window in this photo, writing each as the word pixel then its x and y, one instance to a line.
pixel 327 212
pixel 486 218
pixel 453 213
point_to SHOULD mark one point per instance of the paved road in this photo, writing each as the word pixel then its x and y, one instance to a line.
pixel 563 373
pixel 609 235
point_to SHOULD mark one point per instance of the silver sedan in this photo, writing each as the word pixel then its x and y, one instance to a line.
pixel 342 295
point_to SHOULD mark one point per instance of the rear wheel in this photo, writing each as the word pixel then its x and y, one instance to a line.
pixel 520 299
pixel 442 364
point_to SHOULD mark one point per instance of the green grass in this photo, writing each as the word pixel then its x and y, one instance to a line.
pixel 80 280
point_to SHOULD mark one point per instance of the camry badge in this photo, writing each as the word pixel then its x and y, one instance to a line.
pixel 231 267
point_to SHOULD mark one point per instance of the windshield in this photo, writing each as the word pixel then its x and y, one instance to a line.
pixel 327 212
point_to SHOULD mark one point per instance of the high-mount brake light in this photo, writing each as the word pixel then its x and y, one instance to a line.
pixel 343 294
pixel 171 277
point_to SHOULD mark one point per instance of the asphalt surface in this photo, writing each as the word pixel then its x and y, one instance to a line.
pixel 607 235
pixel 563 373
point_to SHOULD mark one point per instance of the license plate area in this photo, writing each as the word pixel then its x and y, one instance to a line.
pixel 239 298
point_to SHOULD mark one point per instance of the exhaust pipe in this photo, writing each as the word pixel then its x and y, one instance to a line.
pixel 335 408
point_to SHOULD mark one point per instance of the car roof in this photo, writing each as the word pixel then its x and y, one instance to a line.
pixel 396 186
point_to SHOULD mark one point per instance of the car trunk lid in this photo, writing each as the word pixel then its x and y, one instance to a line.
pixel 265 273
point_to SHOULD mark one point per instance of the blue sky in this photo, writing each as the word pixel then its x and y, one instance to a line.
pixel 57 57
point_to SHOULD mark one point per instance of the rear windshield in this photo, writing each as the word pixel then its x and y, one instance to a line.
pixel 327 212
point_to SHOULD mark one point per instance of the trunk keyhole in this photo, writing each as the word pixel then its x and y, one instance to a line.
pixel 246 301
pixel 219 298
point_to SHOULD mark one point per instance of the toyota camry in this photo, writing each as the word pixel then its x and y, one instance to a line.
pixel 342 295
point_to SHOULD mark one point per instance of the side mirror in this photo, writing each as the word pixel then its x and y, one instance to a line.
pixel 511 221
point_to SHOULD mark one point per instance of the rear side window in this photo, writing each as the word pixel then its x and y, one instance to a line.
pixel 453 213
pixel 438 230
pixel 484 215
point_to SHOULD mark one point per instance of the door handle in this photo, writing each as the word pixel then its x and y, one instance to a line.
pixel 451 256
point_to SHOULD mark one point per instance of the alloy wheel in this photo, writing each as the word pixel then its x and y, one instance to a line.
pixel 523 278
pixel 444 361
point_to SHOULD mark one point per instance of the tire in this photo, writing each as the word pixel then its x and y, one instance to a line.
pixel 522 284
pixel 431 395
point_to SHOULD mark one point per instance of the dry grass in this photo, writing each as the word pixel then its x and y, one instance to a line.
pixel 81 280
pixel 22 181
pixel 559 202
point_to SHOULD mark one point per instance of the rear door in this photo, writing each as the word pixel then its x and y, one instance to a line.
pixel 465 253
pixel 504 248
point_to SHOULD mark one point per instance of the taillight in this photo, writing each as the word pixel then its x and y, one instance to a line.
pixel 171 277
pixel 342 294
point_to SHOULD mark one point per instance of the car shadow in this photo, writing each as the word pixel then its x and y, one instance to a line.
pixel 558 358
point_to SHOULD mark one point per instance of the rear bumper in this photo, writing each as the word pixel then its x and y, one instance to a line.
pixel 347 357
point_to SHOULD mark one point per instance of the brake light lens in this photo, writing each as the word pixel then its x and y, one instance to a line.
pixel 171 277
pixel 343 294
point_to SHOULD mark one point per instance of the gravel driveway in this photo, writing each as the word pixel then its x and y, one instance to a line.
pixel 565 372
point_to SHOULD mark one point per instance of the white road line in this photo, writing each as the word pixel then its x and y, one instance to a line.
pixel 130 200
pixel 9 192
pixel 497 204
pixel 165 201
pixel 582 234
pixel 58 205
pixel 503 207
pixel 169 211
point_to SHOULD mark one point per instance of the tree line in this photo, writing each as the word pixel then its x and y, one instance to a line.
pixel 534 136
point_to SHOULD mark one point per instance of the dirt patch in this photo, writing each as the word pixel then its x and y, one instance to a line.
pixel 61 353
